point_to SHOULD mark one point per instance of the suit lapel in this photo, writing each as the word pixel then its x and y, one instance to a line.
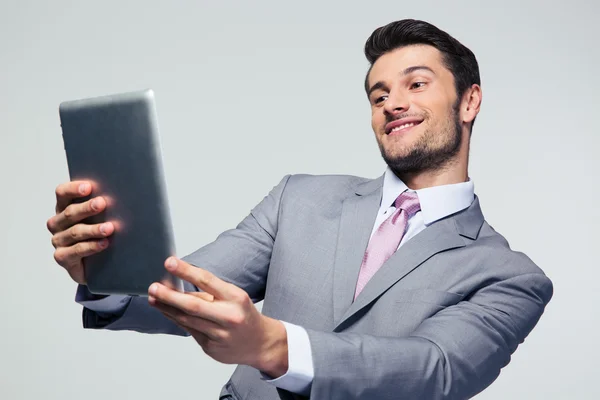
pixel 356 222
pixel 441 236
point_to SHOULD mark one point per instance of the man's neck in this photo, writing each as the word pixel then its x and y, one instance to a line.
pixel 425 179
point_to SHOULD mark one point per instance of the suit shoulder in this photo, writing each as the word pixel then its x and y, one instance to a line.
pixel 495 261
pixel 327 185
pixel 497 248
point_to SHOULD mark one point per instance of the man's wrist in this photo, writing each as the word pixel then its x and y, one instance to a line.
pixel 273 359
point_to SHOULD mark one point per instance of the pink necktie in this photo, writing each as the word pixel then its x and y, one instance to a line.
pixel 386 238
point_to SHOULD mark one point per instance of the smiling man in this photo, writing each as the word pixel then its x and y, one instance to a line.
pixel 385 288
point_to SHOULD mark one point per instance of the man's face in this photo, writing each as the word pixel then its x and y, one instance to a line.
pixel 414 109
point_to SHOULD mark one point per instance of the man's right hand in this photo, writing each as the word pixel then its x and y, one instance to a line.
pixel 72 239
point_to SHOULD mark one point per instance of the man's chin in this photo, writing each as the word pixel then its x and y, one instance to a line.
pixel 408 161
pixel 396 153
pixel 397 146
pixel 403 168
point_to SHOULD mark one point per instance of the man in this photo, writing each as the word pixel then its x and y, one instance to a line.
pixel 373 289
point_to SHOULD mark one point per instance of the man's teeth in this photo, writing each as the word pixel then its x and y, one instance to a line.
pixel 403 126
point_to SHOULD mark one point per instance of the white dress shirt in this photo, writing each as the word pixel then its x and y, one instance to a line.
pixel 436 203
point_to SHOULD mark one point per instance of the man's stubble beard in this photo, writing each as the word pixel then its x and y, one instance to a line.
pixel 423 158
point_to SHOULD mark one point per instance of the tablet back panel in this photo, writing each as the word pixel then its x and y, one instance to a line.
pixel 113 141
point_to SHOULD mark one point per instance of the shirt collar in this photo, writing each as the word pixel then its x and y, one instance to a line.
pixel 437 202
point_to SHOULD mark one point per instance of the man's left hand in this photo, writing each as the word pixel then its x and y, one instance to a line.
pixel 223 320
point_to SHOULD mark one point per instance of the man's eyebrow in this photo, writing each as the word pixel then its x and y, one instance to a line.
pixel 378 85
pixel 409 70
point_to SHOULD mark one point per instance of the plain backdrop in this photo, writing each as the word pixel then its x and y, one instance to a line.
pixel 248 91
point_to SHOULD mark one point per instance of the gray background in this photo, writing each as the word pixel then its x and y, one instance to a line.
pixel 250 91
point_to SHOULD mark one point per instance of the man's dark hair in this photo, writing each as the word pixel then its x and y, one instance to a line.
pixel 456 57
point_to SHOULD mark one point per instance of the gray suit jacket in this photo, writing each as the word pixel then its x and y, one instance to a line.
pixel 437 321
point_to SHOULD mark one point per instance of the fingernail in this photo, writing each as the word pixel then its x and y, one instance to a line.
pixel 83 188
pixel 103 243
pixel 152 289
pixel 171 263
pixel 95 205
pixel 104 227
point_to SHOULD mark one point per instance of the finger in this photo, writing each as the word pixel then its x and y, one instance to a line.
pixel 200 338
pixel 204 326
pixel 190 323
pixel 74 267
pixel 72 255
pixel 170 317
pixel 186 303
pixel 67 192
pixel 75 213
pixel 82 232
pixel 202 295
pixel 203 279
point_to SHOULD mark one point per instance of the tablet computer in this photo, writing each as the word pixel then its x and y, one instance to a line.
pixel 113 142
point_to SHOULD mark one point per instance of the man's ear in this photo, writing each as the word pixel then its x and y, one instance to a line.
pixel 470 104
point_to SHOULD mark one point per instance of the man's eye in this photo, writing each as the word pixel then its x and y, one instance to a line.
pixel 379 99
pixel 417 85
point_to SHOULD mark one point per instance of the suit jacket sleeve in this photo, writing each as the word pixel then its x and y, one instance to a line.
pixel 240 256
pixel 455 354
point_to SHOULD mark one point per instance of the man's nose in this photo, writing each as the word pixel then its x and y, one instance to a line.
pixel 396 103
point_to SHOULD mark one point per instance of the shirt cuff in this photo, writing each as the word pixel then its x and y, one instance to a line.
pixel 299 376
pixel 113 304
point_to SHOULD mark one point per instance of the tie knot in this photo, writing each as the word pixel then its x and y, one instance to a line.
pixel 409 202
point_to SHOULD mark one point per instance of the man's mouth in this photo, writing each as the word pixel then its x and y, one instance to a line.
pixel 401 125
